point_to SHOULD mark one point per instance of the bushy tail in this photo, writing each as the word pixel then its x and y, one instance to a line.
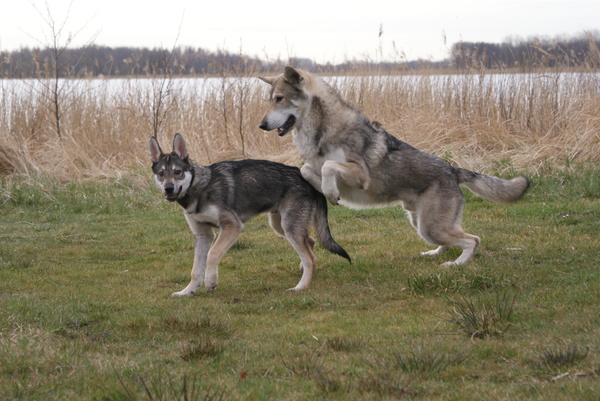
pixel 492 188
pixel 322 229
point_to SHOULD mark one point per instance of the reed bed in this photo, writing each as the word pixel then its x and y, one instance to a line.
pixel 480 121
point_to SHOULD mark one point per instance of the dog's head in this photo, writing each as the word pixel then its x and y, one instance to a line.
pixel 288 100
pixel 173 172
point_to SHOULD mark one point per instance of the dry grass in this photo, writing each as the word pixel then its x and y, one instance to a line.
pixel 522 121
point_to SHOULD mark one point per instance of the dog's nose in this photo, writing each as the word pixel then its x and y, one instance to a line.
pixel 169 189
pixel 263 125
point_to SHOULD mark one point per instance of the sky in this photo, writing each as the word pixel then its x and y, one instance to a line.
pixel 324 31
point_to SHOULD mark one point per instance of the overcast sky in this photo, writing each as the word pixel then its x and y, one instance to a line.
pixel 325 31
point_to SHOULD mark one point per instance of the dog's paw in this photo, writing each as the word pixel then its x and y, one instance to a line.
pixel 437 251
pixel 183 293
pixel 331 193
pixel 448 264
pixel 334 200
pixel 297 288
pixel 210 282
pixel 211 288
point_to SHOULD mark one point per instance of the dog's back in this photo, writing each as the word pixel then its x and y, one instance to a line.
pixel 251 187
pixel 248 187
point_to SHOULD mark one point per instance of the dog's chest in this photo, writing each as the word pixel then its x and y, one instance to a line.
pixel 316 150
pixel 207 215
pixel 308 146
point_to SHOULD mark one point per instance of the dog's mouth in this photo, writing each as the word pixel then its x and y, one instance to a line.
pixel 287 126
pixel 172 196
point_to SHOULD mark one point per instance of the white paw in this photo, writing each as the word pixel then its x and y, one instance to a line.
pixel 211 282
pixel 297 288
pixel 183 293
pixel 333 199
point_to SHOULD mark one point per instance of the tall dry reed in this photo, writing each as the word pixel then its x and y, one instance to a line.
pixel 473 120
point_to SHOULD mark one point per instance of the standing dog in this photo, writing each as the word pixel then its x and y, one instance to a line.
pixel 225 195
pixel 358 164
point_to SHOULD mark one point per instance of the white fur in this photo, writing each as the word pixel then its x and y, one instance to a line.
pixel 185 183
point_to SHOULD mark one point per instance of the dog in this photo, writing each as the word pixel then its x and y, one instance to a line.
pixel 359 164
pixel 227 194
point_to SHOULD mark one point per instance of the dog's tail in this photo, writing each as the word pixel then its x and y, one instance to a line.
pixel 322 229
pixel 492 188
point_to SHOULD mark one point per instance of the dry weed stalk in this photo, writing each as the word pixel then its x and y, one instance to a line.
pixel 526 121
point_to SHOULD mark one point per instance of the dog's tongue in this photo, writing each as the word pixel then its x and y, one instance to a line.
pixel 287 126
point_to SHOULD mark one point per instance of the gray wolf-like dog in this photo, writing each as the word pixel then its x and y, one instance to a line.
pixel 358 164
pixel 227 194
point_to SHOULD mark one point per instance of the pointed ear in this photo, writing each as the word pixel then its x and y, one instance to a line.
pixel 155 151
pixel 268 80
pixel 180 147
pixel 292 76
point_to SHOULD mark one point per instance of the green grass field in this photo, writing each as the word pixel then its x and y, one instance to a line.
pixel 87 269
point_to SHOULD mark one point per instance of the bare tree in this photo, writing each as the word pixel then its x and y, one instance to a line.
pixel 163 87
pixel 52 72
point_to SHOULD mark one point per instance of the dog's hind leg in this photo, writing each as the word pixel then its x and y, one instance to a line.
pixel 438 222
pixel 452 237
pixel 311 245
pixel 303 247
pixel 229 232
pixel 412 216
pixel 275 222
pixel 296 225
pixel 469 243
pixel 204 237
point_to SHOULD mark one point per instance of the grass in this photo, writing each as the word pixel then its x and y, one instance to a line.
pixel 87 269
pixel 562 357
pixel 488 316
pixel 89 252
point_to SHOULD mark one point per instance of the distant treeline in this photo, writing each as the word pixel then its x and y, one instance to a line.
pixel 582 51
pixel 93 61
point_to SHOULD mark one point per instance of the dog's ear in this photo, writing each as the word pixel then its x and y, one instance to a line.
pixel 292 76
pixel 155 151
pixel 180 147
pixel 268 80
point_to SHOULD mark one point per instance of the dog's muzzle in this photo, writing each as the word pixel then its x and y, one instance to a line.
pixel 281 131
pixel 170 194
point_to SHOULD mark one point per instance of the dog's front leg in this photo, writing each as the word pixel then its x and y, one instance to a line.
pixel 353 174
pixel 227 236
pixel 204 237
pixel 310 175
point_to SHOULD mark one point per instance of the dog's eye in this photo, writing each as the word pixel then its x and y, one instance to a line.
pixel 177 172
pixel 161 173
pixel 278 99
